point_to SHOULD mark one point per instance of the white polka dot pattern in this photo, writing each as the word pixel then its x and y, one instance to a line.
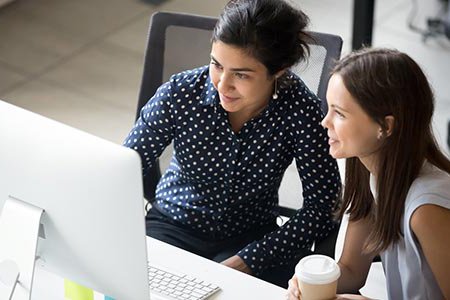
pixel 223 184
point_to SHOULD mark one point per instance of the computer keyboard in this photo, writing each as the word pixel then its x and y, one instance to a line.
pixel 171 285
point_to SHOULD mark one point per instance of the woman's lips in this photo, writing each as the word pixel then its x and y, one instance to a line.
pixel 332 141
pixel 227 99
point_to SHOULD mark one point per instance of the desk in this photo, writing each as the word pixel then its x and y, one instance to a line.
pixel 234 284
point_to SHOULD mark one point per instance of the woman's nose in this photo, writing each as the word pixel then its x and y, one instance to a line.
pixel 225 83
pixel 325 121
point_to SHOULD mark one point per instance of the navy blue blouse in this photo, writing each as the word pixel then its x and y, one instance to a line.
pixel 222 184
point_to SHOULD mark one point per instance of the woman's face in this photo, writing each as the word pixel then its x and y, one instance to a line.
pixel 242 81
pixel 351 132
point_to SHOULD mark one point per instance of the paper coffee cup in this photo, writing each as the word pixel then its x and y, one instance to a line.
pixel 317 277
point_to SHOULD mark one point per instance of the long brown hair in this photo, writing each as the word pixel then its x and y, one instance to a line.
pixel 387 82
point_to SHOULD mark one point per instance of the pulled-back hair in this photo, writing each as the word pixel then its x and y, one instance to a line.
pixel 384 83
pixel 271 31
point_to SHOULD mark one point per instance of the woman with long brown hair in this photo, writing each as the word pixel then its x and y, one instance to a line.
pixel 397 185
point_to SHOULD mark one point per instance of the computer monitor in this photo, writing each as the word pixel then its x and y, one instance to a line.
pixel 92 227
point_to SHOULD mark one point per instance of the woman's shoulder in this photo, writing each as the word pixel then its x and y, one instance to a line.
pixel 432 179
pixel 430 187
pixel 298 94
pixel 190 78
pixel 299 102
pixel 191 87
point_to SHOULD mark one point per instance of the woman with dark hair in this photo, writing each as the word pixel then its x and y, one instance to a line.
pixel 397 180
pixel 236 125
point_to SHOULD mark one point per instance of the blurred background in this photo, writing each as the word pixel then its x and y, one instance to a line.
pixel 80 62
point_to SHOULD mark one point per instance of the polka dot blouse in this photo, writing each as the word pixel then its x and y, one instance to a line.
pixel 223 184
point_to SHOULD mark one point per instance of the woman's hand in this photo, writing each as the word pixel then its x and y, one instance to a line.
pixel 237 263
pixel 351 297
pixel 293 290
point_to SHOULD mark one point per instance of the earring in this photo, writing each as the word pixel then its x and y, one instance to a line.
pixel 275 91
pixel 380 135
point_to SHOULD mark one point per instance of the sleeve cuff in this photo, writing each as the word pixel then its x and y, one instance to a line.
pixel 256 257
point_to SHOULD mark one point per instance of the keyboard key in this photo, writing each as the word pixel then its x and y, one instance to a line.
pixel 179 286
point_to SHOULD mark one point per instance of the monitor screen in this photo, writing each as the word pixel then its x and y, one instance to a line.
pixel 91 192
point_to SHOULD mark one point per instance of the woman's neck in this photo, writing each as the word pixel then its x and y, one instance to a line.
pixel 239 118
pixel 370 163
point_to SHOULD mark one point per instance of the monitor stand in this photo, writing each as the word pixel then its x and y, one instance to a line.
pixel 19 230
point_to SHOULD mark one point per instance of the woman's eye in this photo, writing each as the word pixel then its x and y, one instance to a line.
pixel 241 76
pixel 340 115
pixel 216 65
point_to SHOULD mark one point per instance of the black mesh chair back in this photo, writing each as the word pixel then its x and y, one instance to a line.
pixel 178 42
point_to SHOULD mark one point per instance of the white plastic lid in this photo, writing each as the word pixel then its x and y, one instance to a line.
pixel 317 269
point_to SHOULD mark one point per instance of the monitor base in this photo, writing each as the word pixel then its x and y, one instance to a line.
pixel 19 230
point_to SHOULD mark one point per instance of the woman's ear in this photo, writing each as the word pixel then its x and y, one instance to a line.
pixel 280 73
pixel 389 123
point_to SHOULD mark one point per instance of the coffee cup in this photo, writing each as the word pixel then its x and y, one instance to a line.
pixel 317 277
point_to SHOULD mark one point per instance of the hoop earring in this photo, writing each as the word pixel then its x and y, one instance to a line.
pixel 275 91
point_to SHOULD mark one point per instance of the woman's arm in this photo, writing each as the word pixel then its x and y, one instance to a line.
pixel 320 180
pixel 431 225
pixel 155 128
pixel 354 262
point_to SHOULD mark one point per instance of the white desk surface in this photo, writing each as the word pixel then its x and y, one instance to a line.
pixel 234 284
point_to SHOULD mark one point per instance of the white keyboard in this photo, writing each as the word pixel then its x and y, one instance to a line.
pixel 171 285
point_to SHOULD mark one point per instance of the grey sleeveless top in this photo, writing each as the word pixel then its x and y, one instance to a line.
pixel 408 275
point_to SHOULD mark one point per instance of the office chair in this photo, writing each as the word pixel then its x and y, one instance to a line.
pixel 178 42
